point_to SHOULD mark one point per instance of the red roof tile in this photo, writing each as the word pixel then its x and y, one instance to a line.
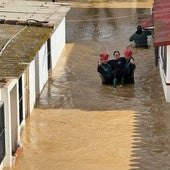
pixel 147 22
pixel 160 19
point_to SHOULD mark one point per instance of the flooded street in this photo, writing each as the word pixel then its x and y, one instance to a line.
pixel 80 124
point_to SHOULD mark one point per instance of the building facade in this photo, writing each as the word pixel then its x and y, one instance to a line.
pixel 25 71
pixel 160 21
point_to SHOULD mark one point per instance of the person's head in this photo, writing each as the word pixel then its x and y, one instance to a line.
pixel 116 54
pixel 104 57
pixel 139 29
pixel 127 54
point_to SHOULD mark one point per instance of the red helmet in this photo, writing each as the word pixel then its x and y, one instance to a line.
pixel 104 56
pixel 128 52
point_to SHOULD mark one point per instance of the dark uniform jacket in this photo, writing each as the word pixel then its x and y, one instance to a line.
pixel 105 73
pixel 140 39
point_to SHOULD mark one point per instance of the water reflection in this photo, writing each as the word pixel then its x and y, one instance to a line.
pixel 103 24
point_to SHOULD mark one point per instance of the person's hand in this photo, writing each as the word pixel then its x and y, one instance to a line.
pixel 132 61
pixel 99 62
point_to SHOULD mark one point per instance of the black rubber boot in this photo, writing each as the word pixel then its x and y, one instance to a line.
pixel 115 82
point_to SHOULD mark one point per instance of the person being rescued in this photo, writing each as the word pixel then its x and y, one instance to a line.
pixel 117 65
pixel 104 69
pixel 140 37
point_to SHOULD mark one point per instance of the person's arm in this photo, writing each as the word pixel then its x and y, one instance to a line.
pixel 131 38
pixel 112 64
pixel 132 60
pixel 100 70
pixel 147 32
pixel 132 64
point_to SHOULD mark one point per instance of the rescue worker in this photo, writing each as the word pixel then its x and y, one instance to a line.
pixel 140 37
pixel 104 69
pixel 129 67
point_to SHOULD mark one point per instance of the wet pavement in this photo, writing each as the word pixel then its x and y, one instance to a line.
pixel 80 124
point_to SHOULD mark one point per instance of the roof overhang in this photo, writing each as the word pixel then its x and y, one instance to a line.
pixel 160 20
pixel 33 12
pixel 20 42
pixel 147 23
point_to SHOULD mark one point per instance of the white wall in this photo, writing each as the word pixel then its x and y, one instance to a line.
pixel 1 164
pixel 23 100
pixel 165 78
pixel 37 76
pixel 167 87
pixel 168 65
pixel 57 43
pixel 0 95
pixel 32 94
pixel 41 60
pixel 7 111
pixel 41 69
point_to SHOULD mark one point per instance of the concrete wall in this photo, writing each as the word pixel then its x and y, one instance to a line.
pixel 41 69
pixel 24 110
pixel 165 78
pixel 32 94
pixel 34 79
pixel 7 98
pixel 0 95
pixel 57 43
pixel 168 66
pixel 41 60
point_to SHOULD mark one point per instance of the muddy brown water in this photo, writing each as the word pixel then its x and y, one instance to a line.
pixel 80 124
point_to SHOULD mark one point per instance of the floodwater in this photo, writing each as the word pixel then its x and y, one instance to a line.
pixel 80 124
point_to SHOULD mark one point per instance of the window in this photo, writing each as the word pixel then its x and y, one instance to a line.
pixel 2 132
pixel 49 54
pixel 20 100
